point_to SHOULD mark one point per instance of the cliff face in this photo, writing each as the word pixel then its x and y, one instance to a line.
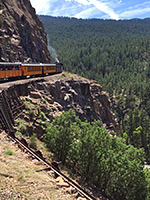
pixel 55 95
pixel 22 34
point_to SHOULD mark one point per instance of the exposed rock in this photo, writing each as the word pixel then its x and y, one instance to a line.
pixel 61 182
pixel 35 95
pixel 86 97
pixel 21 32
pixel 70 190
pixel 80 198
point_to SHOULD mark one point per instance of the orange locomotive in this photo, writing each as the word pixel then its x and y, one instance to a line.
pixel 10 70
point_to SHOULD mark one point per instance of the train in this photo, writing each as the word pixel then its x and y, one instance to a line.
pixel 10 70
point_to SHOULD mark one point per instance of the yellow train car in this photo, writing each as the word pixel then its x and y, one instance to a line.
pixel 49 68
pixel 9 70
pixel 10 73
pixel 12 70
pixel 31 69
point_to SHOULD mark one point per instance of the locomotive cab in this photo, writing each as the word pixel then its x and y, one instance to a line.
pixel 59 67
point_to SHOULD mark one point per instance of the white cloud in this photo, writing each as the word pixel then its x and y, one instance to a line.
pixel 114 9
pixel 119 1
pixel 134 12
pixel 102 6
pixel 137 10
pixel 68 11
pixel 84 2
pixel 146 3
pixel 42 7
pixel 86 13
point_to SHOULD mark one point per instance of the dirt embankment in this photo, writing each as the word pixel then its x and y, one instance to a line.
pixel 19 179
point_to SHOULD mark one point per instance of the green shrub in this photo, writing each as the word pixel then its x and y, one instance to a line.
pixel 17 121
pixel 147 173
pixel 33 143
pixel 9 152
pixel 28 102
pixel 31 114
pixel 23 99
pixel 18 133
pixel 20 178
pixel 43 116
pixel 104 160
pixel 37 106
pixel 10 17
pixel 23 129
pixel 27 107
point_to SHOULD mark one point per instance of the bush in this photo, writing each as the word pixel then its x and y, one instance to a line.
pixel 60 134
pixel 27 107
pixel 33 143
pixel 9 152
pixel 17 121
pixel 31 114
pixel 18 133
pixel 23 129
pixel 104 160
pixel 23 98
pixel 147 173
pixel 43 116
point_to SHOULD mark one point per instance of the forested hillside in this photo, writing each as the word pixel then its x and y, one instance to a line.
pixel 117 55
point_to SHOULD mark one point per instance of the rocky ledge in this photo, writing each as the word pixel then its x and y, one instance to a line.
pixel 61 94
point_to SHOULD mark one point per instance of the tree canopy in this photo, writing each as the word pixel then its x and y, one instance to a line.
pixel 116 54
pixel 104 160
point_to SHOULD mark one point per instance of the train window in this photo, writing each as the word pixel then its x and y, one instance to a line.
pixel 9 67
pixel 4 68
pixel 33 68
pixel 50 68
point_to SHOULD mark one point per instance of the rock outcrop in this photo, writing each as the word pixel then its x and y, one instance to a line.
pixel 55 96
pixel 22 34
pixel 85 97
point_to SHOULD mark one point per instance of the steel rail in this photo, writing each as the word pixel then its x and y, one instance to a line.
pixel 66 179
pixel 7 122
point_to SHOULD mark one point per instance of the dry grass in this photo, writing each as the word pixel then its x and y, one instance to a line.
pixel 19 179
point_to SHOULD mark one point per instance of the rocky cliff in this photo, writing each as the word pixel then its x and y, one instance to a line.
pixel 54 95
pixel 22 34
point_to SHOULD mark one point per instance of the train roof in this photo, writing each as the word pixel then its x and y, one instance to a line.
pixel 3 64
pixel 37 65
pixel 10 64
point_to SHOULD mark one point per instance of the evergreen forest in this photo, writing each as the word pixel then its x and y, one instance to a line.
pixel 89 151
pixel 117 55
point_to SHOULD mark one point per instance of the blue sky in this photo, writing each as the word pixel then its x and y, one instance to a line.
pixel 104 9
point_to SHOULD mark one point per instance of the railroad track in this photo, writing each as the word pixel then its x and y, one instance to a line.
pixel 9 111
pixel 82 191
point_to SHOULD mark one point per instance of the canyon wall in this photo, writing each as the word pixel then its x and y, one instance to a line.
pixel 22 35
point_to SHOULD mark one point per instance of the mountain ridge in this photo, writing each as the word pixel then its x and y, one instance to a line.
pixel 22 34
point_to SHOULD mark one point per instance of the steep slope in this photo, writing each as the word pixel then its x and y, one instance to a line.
pixel 19 179
pixel 22 34
pixel 59 93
